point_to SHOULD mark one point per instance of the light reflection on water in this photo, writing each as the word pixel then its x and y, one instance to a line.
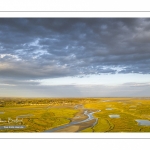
pixel 143 122
pixel 25 116
pixel 108 109
pixel 2 112
pixel 105 100
pixel 133 106
pixel 114 116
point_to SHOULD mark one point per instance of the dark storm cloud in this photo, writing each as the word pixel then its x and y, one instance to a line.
pixel 58 47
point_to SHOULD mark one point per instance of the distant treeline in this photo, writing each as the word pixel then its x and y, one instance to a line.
pixel 42 101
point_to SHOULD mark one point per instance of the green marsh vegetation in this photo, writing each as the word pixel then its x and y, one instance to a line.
pixel 37 115
pixel 40 114
pixel 129 110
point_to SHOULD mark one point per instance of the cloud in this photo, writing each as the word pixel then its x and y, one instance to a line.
pixel 134 84
pixel 39 48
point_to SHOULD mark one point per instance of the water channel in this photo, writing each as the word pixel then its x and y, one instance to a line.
pixel 86 112
pixel 143 122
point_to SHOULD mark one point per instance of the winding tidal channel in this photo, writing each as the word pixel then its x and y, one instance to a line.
pixel 84 119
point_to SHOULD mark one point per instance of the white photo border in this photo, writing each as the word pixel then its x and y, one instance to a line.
pixel 74 14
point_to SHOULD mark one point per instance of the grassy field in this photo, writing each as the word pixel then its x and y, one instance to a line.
pixel 129 110
pixel 38 115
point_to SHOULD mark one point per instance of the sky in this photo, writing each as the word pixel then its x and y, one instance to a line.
pixel 74 57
